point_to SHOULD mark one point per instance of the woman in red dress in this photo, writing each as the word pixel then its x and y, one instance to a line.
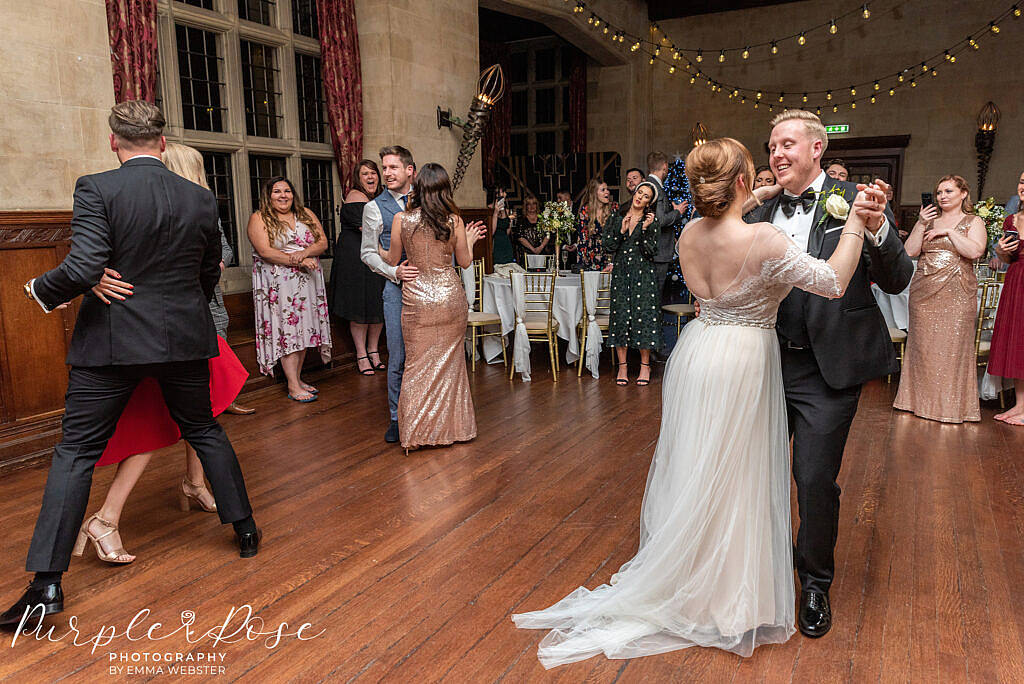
pixel 1006 358
pixel 146 425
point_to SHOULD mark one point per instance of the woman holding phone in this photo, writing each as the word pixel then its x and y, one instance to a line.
pixel 938 379
pixel 501 229
pixel 1006 358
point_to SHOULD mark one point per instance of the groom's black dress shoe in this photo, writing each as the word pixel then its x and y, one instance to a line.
pixel 391 436
pixel 815 618
pixel 249 543
pixel 51 596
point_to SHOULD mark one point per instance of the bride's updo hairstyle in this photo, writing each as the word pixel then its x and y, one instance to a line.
pixel 712 168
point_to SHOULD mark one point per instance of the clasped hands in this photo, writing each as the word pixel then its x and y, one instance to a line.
pixel 302 260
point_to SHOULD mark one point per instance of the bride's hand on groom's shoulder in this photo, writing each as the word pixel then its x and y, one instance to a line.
pixel 766 192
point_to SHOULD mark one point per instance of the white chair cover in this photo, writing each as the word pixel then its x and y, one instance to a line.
pixel 536 260
pixel 469 282
pixel 591 282
pixel 521 342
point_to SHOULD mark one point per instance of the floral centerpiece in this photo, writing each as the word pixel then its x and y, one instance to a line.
pixel 557 219
pixel 993 215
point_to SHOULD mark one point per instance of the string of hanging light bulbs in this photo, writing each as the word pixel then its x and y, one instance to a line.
pixel 833 97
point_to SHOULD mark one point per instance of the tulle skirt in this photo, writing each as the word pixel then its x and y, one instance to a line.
pixel 714 566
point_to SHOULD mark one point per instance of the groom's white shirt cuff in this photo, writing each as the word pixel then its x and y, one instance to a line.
pixel 878 238
pixel 32 287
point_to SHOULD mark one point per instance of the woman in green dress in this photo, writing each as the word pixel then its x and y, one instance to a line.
pixel 635 320
pixel 501 227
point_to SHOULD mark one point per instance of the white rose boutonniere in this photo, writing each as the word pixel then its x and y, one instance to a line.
pixel 837 207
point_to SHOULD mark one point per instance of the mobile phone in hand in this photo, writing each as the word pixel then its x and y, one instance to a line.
pixel 927 199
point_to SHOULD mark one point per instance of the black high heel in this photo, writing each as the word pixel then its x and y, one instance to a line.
pixel 365 371
pixel 641 381
pixel 622 382
pixel 380 365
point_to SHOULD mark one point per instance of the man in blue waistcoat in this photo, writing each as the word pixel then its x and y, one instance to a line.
pixel 398 169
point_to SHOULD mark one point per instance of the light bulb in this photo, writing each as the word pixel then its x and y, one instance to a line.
pixel 877 86
pixel 835 108
pixel 758 94
pixel 700 56
pixel 802 40
pixel 782 97
pixel 993 27
pixel 853 105
pixel 590 19
pixel 672 69
pixel 853 91
pixel 755 105
pixel 721 56
pixel 1016 11
pixel 605 29
pixel 746 52
pixel 805 97
pixel 935 72
pixel 675 55
pixel 828 95
pixel 866 13
pixel 924 67
pixel 974 43
pixel 913 83
pixel 818 111
pixel 657 51
pixel 952 59
pixel 892 91
pixel 693 80
pixel 651 62
pixel 900 78
pixel 775 48
pixel 597 22
pixel 872 99
pixel 832 28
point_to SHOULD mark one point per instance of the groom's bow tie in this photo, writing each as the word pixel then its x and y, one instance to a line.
pixel 788 203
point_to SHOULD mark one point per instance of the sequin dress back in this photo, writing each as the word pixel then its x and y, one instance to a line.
pixel 939 379
pixel 435 406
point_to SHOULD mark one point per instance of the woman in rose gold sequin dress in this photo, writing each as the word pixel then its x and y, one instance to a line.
pixel 435 406
pixel 939 379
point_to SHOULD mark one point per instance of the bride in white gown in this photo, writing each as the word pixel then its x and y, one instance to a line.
pixel 714 565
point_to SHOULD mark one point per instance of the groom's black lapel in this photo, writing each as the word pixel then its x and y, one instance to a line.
pixel 818 227
pixel 770 207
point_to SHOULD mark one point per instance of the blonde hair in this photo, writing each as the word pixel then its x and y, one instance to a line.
pixel 962 186
pixel 594 207
pixel 712 169
pixel 185 161
pixel 812 124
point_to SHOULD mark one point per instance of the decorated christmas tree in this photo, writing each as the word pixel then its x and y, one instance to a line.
pixel 677 187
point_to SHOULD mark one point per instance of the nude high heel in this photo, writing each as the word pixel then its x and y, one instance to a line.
pixel 189 492
pixel 116 556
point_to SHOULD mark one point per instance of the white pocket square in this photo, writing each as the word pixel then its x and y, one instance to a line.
pixel 832 230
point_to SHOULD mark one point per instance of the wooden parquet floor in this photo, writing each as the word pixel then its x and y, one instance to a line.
pixel 409 568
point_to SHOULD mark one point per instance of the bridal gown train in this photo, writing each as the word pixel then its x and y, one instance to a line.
pixel 714 566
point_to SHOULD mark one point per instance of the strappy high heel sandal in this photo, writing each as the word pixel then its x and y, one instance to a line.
pixel 189 492
pixel 622 382
pixel 380 365
pixel 117 556
pixel 641 381
pixel 364 371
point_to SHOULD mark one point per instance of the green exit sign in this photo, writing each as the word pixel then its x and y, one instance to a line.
pixel 837 128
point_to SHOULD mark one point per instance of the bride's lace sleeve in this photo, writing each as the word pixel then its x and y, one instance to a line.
pixel 793 266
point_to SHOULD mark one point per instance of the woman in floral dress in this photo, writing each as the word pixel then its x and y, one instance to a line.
pixel 594 213
pixel 635 313
pixel 289 296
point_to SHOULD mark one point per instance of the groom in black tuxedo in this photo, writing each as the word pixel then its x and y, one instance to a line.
pixel 160 232
pixel 829 347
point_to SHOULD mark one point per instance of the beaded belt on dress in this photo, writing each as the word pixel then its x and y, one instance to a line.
pixel 738 324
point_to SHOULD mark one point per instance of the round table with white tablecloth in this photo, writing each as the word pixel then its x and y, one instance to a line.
pixel 567 309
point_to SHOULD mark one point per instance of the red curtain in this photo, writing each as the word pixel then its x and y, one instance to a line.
pixel 343 82
pixel 495 143
pixel 578 103
pixel 131 25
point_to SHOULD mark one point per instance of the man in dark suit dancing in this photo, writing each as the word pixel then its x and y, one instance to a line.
pixel 160 232
pixel 829 347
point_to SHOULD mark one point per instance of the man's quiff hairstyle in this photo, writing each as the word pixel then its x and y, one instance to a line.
pixel 136 121
pixel 812 124
pixel 404 155
pixel 655 160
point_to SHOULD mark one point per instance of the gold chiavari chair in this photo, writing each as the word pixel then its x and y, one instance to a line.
pixel 602 314
pixel 681 311
pixel 987 305
pixel 479 321
pixel 540 324
pixel 899 338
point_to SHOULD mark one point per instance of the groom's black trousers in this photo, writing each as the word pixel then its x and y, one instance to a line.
pixel 819 422
pixel 95 399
